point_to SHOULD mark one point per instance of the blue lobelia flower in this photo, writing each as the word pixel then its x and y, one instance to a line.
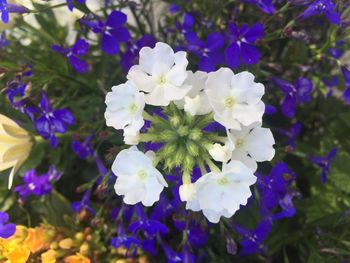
pixel 252 241
pixel 84 204
pixel 324 163
pixel 274 187
pixel 6 229
pixel 330 83
pixel 292 133
pixel 346 93
pixel 3 41
pixel 208 51
pixel 7 8
pixel 299 92
pixel 186 26
pixel 15 92
pixel 125 241
pixel 242 49
pixel 322 7
pixel 52 121
pixel 80 48
pixel 112 30
pixel 130 57
pixel 265 5
pixel 83 149
pixel 37 185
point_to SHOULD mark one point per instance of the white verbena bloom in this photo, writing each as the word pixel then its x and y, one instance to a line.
pixel 252 144
pixel 132 133
pixel 196 101
pixel 222 193
pixel 125 105
pixel 221 153
pixel 235 98
pixel 187 192
pixel 137 179
pixel 160 74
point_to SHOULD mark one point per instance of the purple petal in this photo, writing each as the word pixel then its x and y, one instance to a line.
pixel 7 230
pixel 120 34
pixel 214 41
pixel 304 87
pixel 43 127
pixel 250 54
pixel 254 33
pixel 44 103
pixel 59 49
pixel 4 217
pixel 4 16
pixel 81 47
pixel 78 64
pixel 285 86
pixel 333 17
pixel 109 44
pixel 288 106
pixel 64 115
pixel 116 19
pixel 232 54
pixel 346 96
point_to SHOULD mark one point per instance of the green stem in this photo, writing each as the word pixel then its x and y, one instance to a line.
pixel 212 165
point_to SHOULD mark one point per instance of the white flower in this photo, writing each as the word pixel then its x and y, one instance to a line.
pixel 235 98
pixel 196 101
pixel 187 192
pixel 160 74
pixel 137 179
pixel 124 107
pixel 221 153
pixel 222 194
pixel 252 144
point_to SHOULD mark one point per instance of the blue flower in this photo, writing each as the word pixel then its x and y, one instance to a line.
pixel 241 49
pixel 129 58
pixel 330 83
pixel 80 48
pixel 320 7
pixel 3 41
pixel 71 4
pixel 187 25
pixel 346 93
pixel 83 149
pixel 52 121
pixel 7 8
pixel 37 185
pixel 299 92
pixel 125 241
pixel 292 134
pixel 113 31
pixel 324 163
pixel 84 204
pixel 6 229
pixel 252 242
pixel 265 5
pixel 208 51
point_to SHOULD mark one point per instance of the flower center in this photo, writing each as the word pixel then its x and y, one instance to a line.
pixel 239 143
pixel 223 181
pixel 133 108
pixel 142 174
pixel 229 102
pixel 161 80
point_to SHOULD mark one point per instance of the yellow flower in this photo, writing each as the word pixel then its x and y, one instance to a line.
pixel 77 258
pixel 49 256
pixel 36 239
pixel 18 255
pixel 15 146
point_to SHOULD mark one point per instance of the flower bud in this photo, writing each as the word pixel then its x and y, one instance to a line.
pixel 175 121
pixel 66 243
pixel 195 134
pixel 84 249
pixel 192 148
pixel 187 192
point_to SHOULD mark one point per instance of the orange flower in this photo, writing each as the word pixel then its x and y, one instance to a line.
pixel 18 255
pixel 36 239
pixel 77 258
pixel 49 256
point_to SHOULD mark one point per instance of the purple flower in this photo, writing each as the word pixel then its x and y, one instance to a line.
pixel 330 83
pixel 208 51
pixel 6 8
pixel 6 229
pixel 80 48
pixel 37 185
pixel 125 241
pixel 286 203
pixel 70 3
pixel 324 163
pixel 186 26
pixel 112 30
pixel 83 149
pixel 52 121
pixel 299 92
pixel 320 7
pixel 292 134
pixel 129 58
pixel 252 242
pixel 346 93
pixel 274 187
pixel 15 91
pixel 3 41
pixel 241 49
pixel 265 5
pixel 84 204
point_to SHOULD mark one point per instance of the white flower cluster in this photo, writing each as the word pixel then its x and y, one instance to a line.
pixel 234 100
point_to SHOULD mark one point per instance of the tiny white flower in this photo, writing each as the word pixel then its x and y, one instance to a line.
pixel 252 144
pixel 125 105
pixel 196 101
pixel 222 194
pixel 160 74
pixel 187 192
pixel 137 179
pixel 221 153
pixel 235 98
